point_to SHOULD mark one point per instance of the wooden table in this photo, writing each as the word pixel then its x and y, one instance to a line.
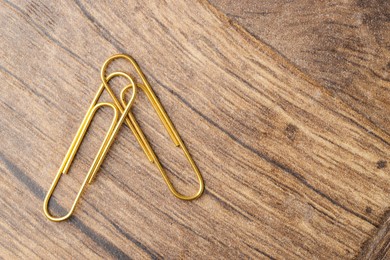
pixel 284 106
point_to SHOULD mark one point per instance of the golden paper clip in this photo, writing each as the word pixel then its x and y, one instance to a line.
pixel 145 86
pixel 107 142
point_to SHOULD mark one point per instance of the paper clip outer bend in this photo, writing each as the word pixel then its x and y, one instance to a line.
pixel 107 142
pixel 167 124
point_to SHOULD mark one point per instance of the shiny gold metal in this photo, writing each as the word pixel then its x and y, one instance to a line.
pixel 107 142
pixel 145 86
pixel 123 109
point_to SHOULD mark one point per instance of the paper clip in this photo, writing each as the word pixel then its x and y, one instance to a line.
pixel 145 86
pixel 107 142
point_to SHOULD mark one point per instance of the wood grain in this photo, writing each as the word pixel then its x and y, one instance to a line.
pixel 292 170
pixel 343 45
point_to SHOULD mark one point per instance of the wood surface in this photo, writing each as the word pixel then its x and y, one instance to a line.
pixel 290 133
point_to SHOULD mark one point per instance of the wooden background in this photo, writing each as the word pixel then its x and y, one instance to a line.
pixel 284 105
